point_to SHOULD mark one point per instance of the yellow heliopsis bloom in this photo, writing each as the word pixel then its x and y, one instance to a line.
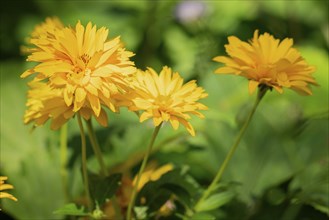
pixel 265 60
pixel 164 97
pixel 3 187
pixel 87 68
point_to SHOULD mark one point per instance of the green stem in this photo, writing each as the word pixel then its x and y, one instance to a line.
pixel 84 162
pixel 63 156
pixel 141 170
pixel 96 148
pixel 261 92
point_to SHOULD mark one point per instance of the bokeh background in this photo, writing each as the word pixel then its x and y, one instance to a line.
pixel 280 170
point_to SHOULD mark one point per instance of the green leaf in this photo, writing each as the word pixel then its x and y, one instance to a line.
pixel 203 216
pixel 103 188
pixel 181 193
pixel 321 208
pixel 215 201
pixel 156 193
pixel 71 209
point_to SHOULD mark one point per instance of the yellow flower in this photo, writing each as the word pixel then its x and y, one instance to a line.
pixel 4 186
pixel 164 97
pixel 81 66
pixel 267 61
pixel 152 174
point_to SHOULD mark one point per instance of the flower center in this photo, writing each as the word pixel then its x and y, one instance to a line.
pixel 85 58
pixel 163 101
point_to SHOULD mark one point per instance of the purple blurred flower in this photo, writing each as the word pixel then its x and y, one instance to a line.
pixel 189 11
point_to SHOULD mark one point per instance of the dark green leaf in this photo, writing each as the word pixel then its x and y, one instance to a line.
pixel 156 193
pixel 103 188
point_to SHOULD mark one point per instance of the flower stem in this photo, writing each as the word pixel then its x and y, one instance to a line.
pixel 96 148
pixel 141 170
pixel 84 162
pixel 261 92
pixel 63 153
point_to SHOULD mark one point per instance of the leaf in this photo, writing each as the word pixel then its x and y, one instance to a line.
pixel 103 188
pixel 215 201
pixel 321 208
pixel 71 209
pixel 182 194
pixel 156 193
pixel 203 216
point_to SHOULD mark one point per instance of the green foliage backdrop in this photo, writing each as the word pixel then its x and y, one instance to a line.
pixel 280 171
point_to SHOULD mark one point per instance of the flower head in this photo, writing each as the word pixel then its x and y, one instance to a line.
pixel 3 187
pixel 81 67
pixel 267 61
pixel 164 97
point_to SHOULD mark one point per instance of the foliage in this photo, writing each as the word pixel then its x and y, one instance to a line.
pixel 279 171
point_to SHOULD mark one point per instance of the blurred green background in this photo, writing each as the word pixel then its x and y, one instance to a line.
pixel 280 170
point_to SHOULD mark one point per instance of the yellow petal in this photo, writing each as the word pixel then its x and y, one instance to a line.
pixel 79 30
pixel 282 49
pixel 174 122
pixel 107 54
pixel 102 118
pixel 27 73
pixel 2 178
pixel 5 186
pixel 69 43
pixel 253 86
pixel 68 114
pixel 187 125
pixel 8 196
pixel 96 81
pixel 157 121
pixel 68 97
pixel 144 116
pixel 56 123
pixel 80 94
pixel 278 89
pixel 94 103
pixel 142 104
pixel 86 113
pixel 59 80
pixel 90 88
